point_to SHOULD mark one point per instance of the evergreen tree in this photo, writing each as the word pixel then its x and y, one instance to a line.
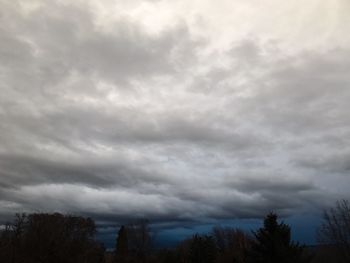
pixel 273 244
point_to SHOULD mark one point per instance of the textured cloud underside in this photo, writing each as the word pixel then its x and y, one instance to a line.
pixel 114 110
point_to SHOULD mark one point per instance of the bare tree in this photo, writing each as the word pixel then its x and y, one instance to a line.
pixel 53 238
pixel 335 228
pixel 122 248
pixel 233 244
pixel 140 239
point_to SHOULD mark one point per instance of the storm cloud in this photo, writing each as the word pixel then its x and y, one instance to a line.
pixel 160 110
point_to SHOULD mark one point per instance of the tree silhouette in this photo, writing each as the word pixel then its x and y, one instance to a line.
pixel 140 239
pixel 202 249
pixel 233 244
pixel 122 247
pixel 53 238
pixel 335 229
pixel 273 244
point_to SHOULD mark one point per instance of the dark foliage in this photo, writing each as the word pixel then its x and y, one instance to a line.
pixel 273 244
pixel 54 238
pixel 140 241
pixel 233 244
pixel 168 256
pixel 122 247
pixel 335 229
pixel 57 238
pixel 202 249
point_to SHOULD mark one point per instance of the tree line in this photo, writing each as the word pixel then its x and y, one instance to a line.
pixel 54 238
pixel 271 244
pixel 57 238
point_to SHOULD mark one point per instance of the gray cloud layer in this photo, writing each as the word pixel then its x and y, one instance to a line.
pixel 126 123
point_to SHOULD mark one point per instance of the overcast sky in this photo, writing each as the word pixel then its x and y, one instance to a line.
pixel 174 110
